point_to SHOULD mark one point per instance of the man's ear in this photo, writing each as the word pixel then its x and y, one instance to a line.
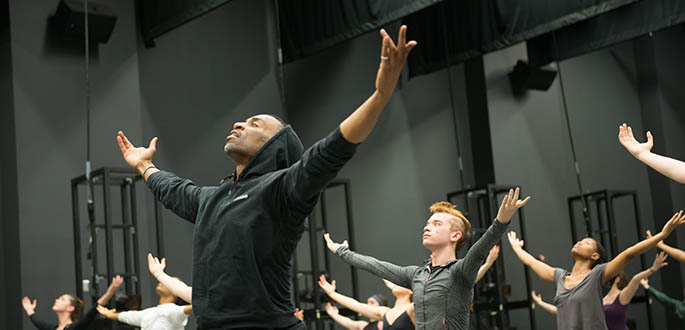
pixel 455 236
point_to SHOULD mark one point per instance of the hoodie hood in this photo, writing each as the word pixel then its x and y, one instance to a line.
pixel 281 151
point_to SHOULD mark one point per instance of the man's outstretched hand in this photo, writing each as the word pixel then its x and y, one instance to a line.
pixel 138 158
pixel 393 58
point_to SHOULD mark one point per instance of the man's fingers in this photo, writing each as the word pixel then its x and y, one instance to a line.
pixel 402 38
pixel 516 194
pixel 127 143
pixel 153 143
pixel 121 144
pixel 385 48
pixel 391 44
pixel 650 138
pixel 409 47
pixel 630 131
pixel 524 202
pixel 505 200
pixel 384 33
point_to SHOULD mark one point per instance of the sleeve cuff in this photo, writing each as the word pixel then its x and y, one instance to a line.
pixel 338 142
pixel 499 228
pixel 342 250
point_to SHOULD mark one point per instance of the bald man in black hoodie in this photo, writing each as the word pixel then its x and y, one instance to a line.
pixel 247 228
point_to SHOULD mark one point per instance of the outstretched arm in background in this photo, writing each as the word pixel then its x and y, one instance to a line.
pixel 628 292
pixel 672 252
pixel 489 261
pixel 620 262
pixel 372 312
pixel 545 305
pixel 672 168
pixel 175 286
pixel 543 270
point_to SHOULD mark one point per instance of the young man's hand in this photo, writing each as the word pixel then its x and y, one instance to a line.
pixel 510 204
pixel 333 246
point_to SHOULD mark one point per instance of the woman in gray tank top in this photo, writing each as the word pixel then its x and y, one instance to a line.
pixel 579 292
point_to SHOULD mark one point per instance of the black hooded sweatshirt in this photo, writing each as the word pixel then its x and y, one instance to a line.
pixel 246 230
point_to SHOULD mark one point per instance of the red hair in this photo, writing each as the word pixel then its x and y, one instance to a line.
pixel 463 226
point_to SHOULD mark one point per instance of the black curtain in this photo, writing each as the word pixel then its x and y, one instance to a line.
pixel 158 17
pixel 617 26
pixel 309 26
pixel 457 30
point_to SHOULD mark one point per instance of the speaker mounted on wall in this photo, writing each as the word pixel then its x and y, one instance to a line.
pixel 525 77
pixel 69 21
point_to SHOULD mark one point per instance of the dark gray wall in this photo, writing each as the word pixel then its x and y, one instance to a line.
pixel 10 275
pixel 49 112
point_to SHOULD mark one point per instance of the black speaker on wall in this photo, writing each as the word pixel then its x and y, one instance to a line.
pixel 526 77
pixel 69 21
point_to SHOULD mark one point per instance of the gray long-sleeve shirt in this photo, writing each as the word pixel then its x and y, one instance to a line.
pixel 442 294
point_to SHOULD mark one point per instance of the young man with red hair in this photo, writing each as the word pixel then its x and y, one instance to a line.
pixel 443 287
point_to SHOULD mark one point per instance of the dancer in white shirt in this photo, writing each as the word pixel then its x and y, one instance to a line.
pixel 165 316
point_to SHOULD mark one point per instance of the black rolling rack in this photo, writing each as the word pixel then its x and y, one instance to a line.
pixel 480 206
pixel 125 180
pixel 604 216
pixel 315 313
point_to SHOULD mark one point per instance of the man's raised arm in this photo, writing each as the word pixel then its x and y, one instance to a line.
pixel 357 127
pixel 322 162
pixel 179 195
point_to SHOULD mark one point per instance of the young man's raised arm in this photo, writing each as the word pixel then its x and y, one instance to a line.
pixel 401 276
pixel 477 253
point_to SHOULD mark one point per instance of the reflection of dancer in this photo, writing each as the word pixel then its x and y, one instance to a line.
pixel 443 288
pixel 165 316
pixel 398 317
pixel 672 168
pixel 672 252
pixel 579 292
pixel 247 228
pixel 69 309
pixel 673 305
pixel 616 301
